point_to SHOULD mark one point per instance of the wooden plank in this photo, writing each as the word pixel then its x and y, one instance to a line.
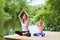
pixel 49 36
pixel 17 37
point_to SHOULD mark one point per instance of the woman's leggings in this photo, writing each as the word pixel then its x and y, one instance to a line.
pixel 21 33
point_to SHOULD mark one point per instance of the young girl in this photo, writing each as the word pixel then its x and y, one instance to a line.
pixel 24 22
pixel 40 26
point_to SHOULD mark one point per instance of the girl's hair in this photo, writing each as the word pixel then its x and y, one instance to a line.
pixel 41 21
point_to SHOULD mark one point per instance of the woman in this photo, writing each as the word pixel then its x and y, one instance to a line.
pixel 40 26
pixel 24 22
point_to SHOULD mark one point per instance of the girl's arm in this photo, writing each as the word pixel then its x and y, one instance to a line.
pixel 37 24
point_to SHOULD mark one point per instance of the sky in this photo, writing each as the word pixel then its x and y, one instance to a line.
pixel 37 2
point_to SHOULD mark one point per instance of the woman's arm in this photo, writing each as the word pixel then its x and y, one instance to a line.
pixel 19 16
pixel 28 17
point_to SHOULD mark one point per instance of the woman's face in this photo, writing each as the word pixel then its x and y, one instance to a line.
pixel 24 17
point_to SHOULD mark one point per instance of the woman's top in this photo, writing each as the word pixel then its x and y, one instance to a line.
pixel 25 25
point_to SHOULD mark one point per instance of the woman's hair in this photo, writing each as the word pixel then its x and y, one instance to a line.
pixel 22 15
pixel 23 20
pixel 26 18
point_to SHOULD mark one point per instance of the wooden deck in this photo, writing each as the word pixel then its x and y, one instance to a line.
pixel 49 36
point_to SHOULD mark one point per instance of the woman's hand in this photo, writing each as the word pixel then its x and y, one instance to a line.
pixel 23 34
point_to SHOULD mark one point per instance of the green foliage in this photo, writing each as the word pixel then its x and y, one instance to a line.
pixel 3 17
pixel 32 10
pixel 50 14
pixel 9 9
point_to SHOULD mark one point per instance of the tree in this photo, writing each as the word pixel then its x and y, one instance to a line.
pixel 3 17
pixel 50 13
